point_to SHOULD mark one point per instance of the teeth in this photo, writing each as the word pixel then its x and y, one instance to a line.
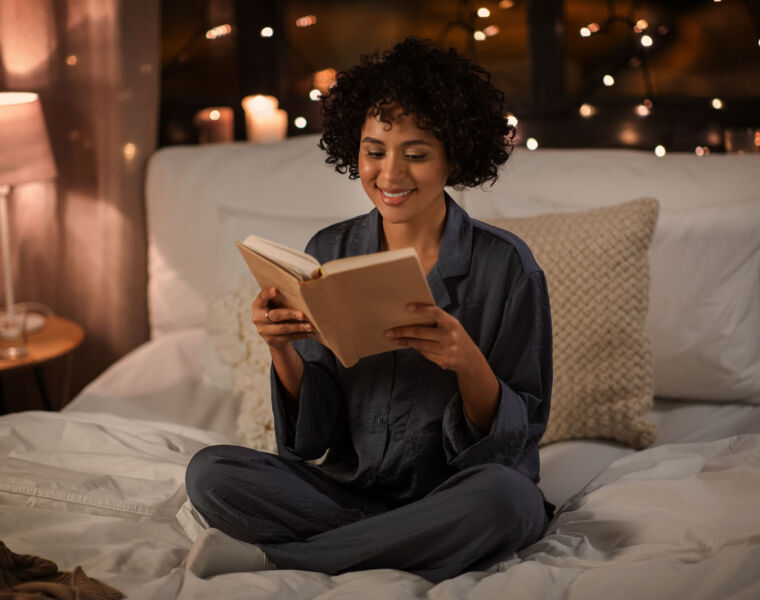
pixel 398 195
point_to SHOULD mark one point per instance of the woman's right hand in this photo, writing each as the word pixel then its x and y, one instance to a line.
pixel 278 326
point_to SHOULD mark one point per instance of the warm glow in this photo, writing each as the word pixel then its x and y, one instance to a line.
pixel 628 136
pixel 648 103
pixel 512 120
pixel 10 98
pixel 585 32
pixel 479 35
pixel 646 41
pixel 531 143
pixel 71 60
pixel 324 80
pixel 129 151
pixel 218 31
pixel 642 110
pixel 506 3
pixel 483 12
pixel 300 122
pixel 264 122
pixel 306 21
pixel 608 80
pixel 757 138
pixel 702 151
pixel 260 104
pixel 491 30
pixel 214 115
pixel 593 27
pixel 640 26
pixel 660 151
pixel 267 32
pixel 315 95
pixel 587 110
pixel 717 103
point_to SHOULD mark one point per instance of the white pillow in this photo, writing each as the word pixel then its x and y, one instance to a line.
pixel 236 357
pixel 704 306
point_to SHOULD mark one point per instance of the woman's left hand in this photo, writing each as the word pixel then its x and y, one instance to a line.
pixel 446 343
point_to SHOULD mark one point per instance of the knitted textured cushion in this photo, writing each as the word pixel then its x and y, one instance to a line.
pixel 597 269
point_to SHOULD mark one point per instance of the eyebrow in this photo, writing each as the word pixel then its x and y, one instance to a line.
pixel 371 140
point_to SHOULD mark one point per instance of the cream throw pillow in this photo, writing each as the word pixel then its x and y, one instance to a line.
pixel 241 351
pixel 597 270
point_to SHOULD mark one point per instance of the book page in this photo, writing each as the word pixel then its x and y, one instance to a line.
pixel 300 264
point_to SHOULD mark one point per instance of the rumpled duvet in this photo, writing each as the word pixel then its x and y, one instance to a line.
pixel 103 492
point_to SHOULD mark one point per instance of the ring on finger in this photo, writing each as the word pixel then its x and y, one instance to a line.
pixel 266 316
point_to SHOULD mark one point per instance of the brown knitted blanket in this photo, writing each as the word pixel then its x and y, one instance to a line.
pixel 30 577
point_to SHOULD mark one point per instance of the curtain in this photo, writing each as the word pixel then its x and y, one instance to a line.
pixel 79 243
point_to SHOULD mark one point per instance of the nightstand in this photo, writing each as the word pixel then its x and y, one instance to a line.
pixel 58 338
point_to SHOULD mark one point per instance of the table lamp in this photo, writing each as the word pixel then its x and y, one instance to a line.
pixel 25 156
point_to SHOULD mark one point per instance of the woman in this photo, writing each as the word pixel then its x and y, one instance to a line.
pixel 432 458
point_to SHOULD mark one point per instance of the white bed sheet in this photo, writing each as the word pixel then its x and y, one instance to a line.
pixel 99 491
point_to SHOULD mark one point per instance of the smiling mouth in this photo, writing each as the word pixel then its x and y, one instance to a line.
pixel 394 198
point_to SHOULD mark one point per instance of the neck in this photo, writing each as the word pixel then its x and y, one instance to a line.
pixel 424 237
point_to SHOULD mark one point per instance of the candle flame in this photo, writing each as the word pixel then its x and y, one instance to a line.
pixel 306 21
pixel 218 31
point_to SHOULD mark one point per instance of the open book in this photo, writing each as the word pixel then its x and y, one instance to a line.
pixel 351 302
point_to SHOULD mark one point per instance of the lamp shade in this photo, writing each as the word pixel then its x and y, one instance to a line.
pixel 25 153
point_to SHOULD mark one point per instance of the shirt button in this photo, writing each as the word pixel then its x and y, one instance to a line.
pixel 380 419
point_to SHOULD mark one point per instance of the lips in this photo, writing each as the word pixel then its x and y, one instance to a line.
pixel 394 197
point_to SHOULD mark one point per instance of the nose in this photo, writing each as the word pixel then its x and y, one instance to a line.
pixel 393 169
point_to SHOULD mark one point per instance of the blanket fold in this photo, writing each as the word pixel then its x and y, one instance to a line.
pixel 31 577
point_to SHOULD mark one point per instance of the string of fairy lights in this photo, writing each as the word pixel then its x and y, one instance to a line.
pixel 476 21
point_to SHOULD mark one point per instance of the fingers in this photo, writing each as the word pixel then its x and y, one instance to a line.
pixel 280 329
pixel 277 315
pixel 438 314
pixel 417 332
pixel 263 314
pixel 263 297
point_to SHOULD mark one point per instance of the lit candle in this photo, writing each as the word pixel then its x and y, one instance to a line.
pixel 264 122
pixel 215 124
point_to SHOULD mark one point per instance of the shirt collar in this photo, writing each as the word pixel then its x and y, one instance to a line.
pixel 454 254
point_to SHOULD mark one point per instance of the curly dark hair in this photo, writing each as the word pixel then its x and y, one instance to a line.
pixel 449 95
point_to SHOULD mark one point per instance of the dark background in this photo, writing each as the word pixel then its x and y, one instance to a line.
pixel 701 50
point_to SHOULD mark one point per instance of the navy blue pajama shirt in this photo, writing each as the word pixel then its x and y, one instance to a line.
pixel 408 481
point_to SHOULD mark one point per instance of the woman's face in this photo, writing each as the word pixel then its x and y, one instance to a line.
pixel 403 169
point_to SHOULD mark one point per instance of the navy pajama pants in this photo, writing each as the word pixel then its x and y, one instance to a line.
pixel 302 519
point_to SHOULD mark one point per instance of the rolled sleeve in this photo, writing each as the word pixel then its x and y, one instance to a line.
pixel 319 408
pixel 467 446
pixel 521 359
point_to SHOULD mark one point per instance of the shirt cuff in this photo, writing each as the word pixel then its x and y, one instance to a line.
pixel 310 434
pixel 467 446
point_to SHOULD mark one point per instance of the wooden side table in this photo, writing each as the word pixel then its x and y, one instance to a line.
pixel 59 337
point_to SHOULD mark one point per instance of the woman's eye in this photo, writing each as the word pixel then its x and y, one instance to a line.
pixel 415 156
pixel 372 154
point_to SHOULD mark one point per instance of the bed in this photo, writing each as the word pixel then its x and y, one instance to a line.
pixel 656 497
